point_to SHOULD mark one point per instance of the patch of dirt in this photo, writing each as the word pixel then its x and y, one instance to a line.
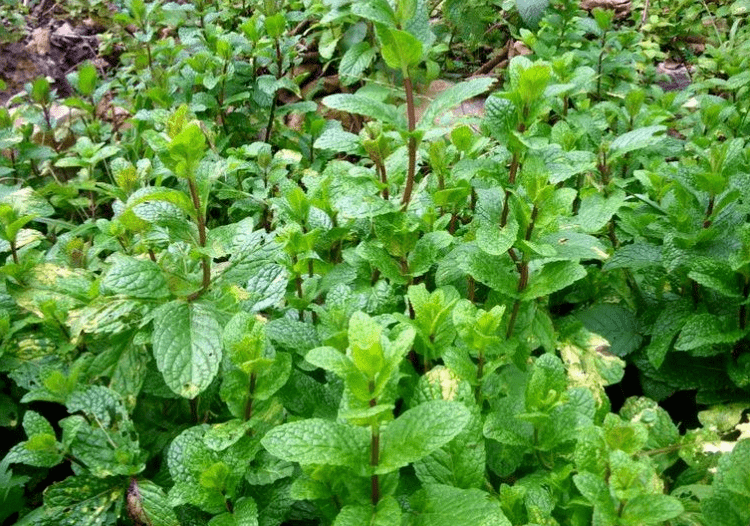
pixel 53 47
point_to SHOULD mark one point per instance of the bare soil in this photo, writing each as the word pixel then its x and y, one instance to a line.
pixel 53 46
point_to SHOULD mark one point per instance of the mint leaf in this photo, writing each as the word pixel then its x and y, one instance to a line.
pixel 553 277
pixel 81 500
pixel 363 105
pixel 635 140
pixel 706 329
pixel 147 502
pixel 266 287
pixel 187 346
pixel 531 11
pixel 318 441
pixel 355 61
pixel 419 431
pixel 139 278
pixel 400 49
pixel 439 505
pixel 376 11
pixel 494 240
pixel 615 323
pixel 650 509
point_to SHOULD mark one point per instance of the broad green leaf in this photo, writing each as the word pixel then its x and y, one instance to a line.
pixel 426 252
pixel 355 61
pixel 272 376
pixel 553 277
pixel 187 346
pixel 596 210
pixel 146 501
pixel 81 500
pixel 386 513
pixel 715 275
pixel 266 287
pixel 440 505
pixel 41 449
pixel 736 474
pixel 595 490
pixel 453 97
pixel 635 140
pixel 547 384
pixel 139 278
pixel 244 339
pixel 635 256
pixel 317 441
pixel 460 463
pixel 615 323
pixel 332 360
pixel 495 240
pixel 533 81
pixel 419 431
pixel 379 11
pixel 650 509
pixel 363 105
pixel 365 345
pixel 706 329
pixel 531 11
pixel 400 49
pixel 105 440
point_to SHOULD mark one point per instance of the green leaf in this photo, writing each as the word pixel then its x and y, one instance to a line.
pixel 715 275
pixel 187 346
pixel 400 49
pixel 419 431
pixel 266 287
pixel 355 61
pixel 736 474
pixel 533 81
pixel 635 140
pixel 379 11
pixel 439 505
pixel 635 256
pixel 650 509
pixel 363 105
pixel 426 251
pixel 494 240
pixel 148 501
pixel 453 97
pixel 596 210
pixel 387 513
pixel 139 278
pixel 461 462
pixel 365 345
pixel 318 441
pixel 553 277
pixel 531 11
pixel 595 490
pixel 81 500
pixel 615 323
pixel 706 329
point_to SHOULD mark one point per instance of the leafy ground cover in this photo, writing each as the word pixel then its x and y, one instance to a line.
pixel 391 263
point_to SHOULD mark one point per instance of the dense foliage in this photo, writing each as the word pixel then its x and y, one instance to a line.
pixel 262 301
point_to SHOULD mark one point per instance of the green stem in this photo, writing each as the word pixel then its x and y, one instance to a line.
pixel 250 392
pixel 205 261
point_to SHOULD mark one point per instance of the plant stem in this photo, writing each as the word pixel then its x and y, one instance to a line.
pixel 412 120
pixel 14 251
pixel 205 261
pixel 374 452
pixel 523 280
pixel 709 210
pixel 250 391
